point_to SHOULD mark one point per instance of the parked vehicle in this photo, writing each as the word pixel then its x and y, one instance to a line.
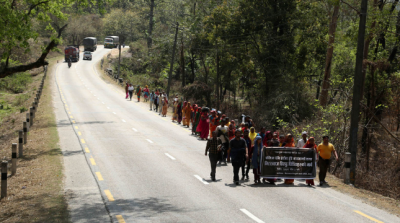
pixel 111 41
pixel 87 55
pixel 90 44
pixel 72 52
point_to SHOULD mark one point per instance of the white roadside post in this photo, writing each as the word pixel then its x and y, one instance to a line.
pixel 347 160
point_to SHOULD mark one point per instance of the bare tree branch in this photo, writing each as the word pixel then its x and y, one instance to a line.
pixel 38 63
pixel 358 12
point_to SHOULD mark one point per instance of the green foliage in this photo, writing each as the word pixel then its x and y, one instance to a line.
pixel 16 83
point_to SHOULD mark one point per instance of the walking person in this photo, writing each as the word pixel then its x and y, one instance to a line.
pixel 179 112
pixel 164 107
pixel 126 90
pixel 160 98
pixel 289 142
pixel 156 101
pixel 246 164
pixel 239 153
pixel 311 144
pixel 130 90
pixel 213 148
pixel 138 92
pixel 146 93
pixel 151 98
pixel 325 150
pixel 303 140
pixel 203 126
pixel 255 158
pixel 175 109
pixel 222 132
pixel 196 120
pixel 187 112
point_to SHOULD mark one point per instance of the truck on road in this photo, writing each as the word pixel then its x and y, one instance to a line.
pixel 111 41
pixel 90 44
pixel 72 52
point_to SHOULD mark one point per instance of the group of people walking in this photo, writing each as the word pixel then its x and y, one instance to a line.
pixel 232 142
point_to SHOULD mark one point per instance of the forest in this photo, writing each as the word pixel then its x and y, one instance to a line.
pixel 289 64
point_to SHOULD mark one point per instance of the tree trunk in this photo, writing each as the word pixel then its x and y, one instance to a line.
pixel 151 23
pixel 183 65
pixel 218 82
pixel 323 100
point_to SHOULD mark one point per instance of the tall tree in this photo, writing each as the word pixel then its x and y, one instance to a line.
pixel 323 99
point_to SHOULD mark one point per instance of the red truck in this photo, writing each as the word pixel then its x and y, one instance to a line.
pixel 72 52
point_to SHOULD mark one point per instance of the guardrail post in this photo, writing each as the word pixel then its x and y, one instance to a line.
pixel 20 142
pixel 31 110
pixel 14 159
pixel 28 117
pixel 347 160
pixel 25 129
pixel 4 166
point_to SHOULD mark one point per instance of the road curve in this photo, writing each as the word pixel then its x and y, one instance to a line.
pixel 125 163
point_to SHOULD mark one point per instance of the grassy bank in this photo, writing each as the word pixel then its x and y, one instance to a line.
pixel 35 193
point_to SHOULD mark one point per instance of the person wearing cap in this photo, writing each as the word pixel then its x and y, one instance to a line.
pixel 303 140
pixel 239 153
pixel 325 150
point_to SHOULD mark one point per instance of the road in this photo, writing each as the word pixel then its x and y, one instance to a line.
pixel 124 163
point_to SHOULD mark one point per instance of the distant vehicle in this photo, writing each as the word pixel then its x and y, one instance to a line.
pixel 90 44
pixel 87 55
pixel 72 52
pixel 111 41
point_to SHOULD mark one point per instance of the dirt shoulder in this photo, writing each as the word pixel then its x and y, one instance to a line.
pixel 385 203
pixel 35 193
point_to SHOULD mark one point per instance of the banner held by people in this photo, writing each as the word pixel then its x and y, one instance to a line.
pixel 288 163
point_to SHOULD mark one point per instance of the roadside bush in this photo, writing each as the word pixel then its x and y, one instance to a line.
pixel 20 99
pixel 15 83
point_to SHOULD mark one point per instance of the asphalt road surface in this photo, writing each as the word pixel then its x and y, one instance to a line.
pixel 124 163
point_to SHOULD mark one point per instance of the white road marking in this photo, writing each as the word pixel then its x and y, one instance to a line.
pixel 170 156
pixel 108 107
pixel 123 120
pixel 114 113
pixel 94 95
pixel 134 129
pixel 251 216
pixel 102 102
pixel 98 98
pixel 149 141
pixel 201 179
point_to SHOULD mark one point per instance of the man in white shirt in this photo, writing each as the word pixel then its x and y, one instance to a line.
pixel 222 132
pixel 302 141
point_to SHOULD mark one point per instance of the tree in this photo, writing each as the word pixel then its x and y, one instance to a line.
pixel 16 21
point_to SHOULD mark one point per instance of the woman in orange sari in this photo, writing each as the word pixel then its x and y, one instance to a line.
pixel 289 142
pixel 311 144
pixel 187 112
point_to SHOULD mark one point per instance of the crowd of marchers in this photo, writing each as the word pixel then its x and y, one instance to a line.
pixel 238 143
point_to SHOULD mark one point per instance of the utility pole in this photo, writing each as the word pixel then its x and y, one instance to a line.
pixel 358 86
pixel 172 59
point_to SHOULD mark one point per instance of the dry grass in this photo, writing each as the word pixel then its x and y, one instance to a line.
pixel 35 193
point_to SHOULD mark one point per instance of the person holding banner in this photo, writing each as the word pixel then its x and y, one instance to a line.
pixel 311 144
pixel 289 142
pixel 255 158
pixel 239 153
pixel 325 150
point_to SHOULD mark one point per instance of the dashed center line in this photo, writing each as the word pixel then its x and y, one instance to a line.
pixel 109 195
pixel 134 129
pixel 369 217
pixel 87 150
pixel 201 179
pixel 99 176
pixel 173 158
pixel 92 161
pixel 251 216
pixel 120 219
pixel 149 141
pixel 123 120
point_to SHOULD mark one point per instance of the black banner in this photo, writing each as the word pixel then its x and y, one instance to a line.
pixel 288 163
